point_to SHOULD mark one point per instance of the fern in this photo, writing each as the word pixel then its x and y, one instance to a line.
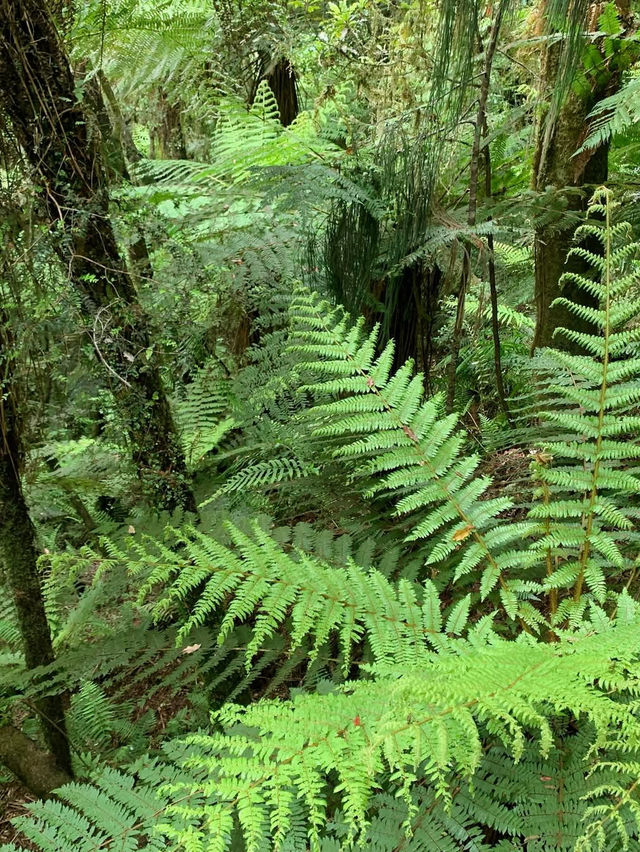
pixel 426 716
pixel 614 115
pixel 263 474
pixel 200 415
pixel 587 478
pixel 408 726
pixel 88 817
pixel 412 453
pixel 398 620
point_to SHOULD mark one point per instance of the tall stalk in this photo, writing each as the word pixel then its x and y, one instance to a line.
pixel 472 208
pixel 593 494
pixel 493 288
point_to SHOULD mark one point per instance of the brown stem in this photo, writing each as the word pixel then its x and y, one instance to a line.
pixel 473 202
pixel 120 125
pixel 493 289
pixel 19 555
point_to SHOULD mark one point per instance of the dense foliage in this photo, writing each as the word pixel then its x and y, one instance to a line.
pixel 320 412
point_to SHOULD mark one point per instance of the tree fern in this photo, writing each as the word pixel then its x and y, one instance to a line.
pixel 264 474
pixel 406 724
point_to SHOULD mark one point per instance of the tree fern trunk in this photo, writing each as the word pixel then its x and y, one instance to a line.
pixel 557 166
pixel 37 94
pixel 167 137
pixel 472 207
pixel 281 77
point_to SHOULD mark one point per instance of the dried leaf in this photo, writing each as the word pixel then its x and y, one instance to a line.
pixel 460 535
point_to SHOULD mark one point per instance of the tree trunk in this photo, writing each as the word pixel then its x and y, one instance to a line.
pixel 114 134
pixel 37 94
pixel 281 77
pixel 120 127
pixel 18 551
pixel 472 207
pixel 167 137
pixel 35 768
pixel 555 166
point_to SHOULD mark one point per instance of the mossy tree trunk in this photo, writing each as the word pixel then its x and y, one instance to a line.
pixel 37 93
pixel 557 166
pixel 19 556
pixel 167 137
pixel 35 768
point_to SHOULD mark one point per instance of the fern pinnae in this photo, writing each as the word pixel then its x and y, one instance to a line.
pixel 271 585
pixel 587 475
pixel 584 553
pixel 396 422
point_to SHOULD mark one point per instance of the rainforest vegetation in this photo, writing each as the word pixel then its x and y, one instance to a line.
pixel 319 425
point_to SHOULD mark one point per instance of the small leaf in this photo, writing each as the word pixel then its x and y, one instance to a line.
pixel 458 616
pixel 431 615
pixel 460 535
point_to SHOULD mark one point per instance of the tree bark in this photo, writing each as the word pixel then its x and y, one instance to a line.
pixel 37 94
pixel 36 769
pixel 167 137
pixel 493 284
pixel 555 166
pixel 118 146
pixel 18 551
pixel 281 77
pixel 120 127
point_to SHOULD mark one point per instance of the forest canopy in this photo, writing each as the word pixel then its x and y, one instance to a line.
pixel 319 425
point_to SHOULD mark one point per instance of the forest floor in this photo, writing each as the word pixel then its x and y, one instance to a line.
pixel 13 801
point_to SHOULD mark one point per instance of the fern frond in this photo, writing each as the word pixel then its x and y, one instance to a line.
pixel 271 586
pixel 588 479
pixel 407 449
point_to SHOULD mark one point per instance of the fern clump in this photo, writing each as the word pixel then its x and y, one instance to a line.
pixel 437 667
pixel 402 728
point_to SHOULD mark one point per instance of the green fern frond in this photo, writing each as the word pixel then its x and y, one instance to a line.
pixel 271 586
pixel 614 115
pixel 406 725
pixel 202 414
pixel 587 478
pixel 407 450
